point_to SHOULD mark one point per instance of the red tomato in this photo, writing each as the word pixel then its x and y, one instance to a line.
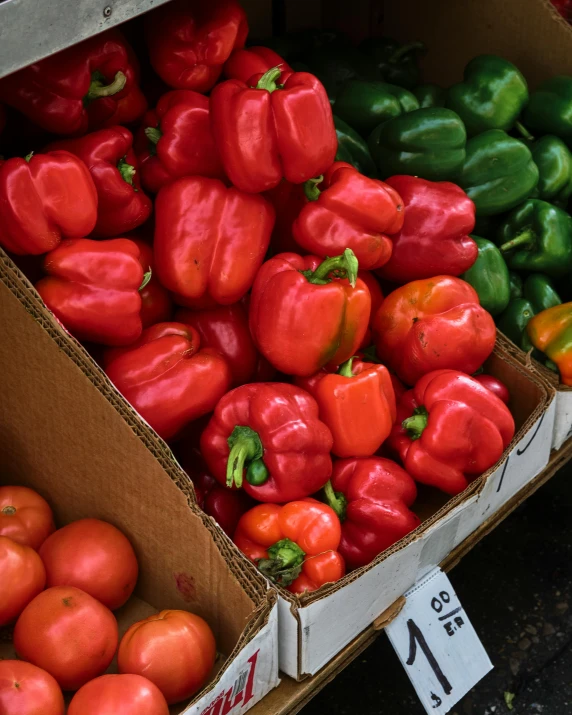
pixel 176 650
pixel 28 690
pixel 119 695
pixel 22 576
pixel 68 633
pixel 25 516
pixel 92 555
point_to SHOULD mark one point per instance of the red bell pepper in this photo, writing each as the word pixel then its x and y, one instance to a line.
pixel 209 240
pixel 357 403
pixel 349 210
pixel 243 64
pixel 305 315
pixel 372 497
pixel 190 40
pixel 376 295
pixel 271 431
pixel 167 379
pixel 225 329
pixel 226 506
pixel 156 303
pixel 176 140
pixel 430 324
pixel 93 289
pixel 44 198
pixel 288 200
pixel 271 132
pixel 495 386
pixel 434 239
pixel 295 545
pixel 77 87
pixel 449 429
pixel 108 154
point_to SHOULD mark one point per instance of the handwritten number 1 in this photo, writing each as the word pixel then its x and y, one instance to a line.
pixel 415 637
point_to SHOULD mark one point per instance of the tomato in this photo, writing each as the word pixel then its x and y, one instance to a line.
pixel 22 576
pixel 25 516
pixel 176 650
pixel 68 633
pixel 119 695
pixel 28 690
pixel 92 555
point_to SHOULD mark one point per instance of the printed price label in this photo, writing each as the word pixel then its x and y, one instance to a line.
pixel 437 645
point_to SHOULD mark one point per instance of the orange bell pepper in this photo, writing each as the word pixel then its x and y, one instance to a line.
pixel 294 545
pixel 357 403
pixel 551 332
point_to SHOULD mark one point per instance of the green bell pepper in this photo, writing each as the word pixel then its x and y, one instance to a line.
pixel 429 143
pixel 515 285
pixel 538 294
pixel 549 109
pixel 537 237
pixel 353 149
pixel 334 66
pixel 513 321
pixel 395 63
pixel 491 96
pixel 540 291
pixel 554 162
pixel 489 277
pixel 364 105
pixel 430 95
pixel 498 172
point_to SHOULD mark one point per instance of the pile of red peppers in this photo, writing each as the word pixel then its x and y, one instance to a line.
pixel 298 331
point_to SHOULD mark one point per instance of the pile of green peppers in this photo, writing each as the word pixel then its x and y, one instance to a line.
pixel 509 149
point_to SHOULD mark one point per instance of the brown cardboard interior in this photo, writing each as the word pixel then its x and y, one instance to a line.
pixel 530 33
pixel 60 436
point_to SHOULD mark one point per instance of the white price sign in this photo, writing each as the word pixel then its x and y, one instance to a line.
pixel 437 645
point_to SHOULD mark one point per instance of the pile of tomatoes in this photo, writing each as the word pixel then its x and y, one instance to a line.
pixel 60 588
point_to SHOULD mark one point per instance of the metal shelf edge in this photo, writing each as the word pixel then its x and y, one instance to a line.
pixel 31 30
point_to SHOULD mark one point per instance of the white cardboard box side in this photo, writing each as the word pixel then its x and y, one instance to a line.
pixel 248 678
pixel 527 459
pixel 325 626
pixel 288 633
pixel 563 419
pixel 329 624
pixel 441 538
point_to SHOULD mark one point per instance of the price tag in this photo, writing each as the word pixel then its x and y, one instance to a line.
pixel 437 645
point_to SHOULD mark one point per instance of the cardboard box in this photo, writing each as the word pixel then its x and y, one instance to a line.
pixel 314 628
pixel 67 433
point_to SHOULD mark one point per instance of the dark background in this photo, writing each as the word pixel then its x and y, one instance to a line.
pixel 516 587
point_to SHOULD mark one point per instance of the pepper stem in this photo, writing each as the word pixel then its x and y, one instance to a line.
pixel 8 510
pixel 405 50
pixel 97 89
pixel 311 188
pixel 346 368
pixel 417 423
pixel 525 239
pixel 245 447
pixel 524 131
pixel 146 278
pixel 126 170
pixel 153 134
pixel 29 156
pixel 336 500
pixel 268 79
pixel 284 562
pixel 344 266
